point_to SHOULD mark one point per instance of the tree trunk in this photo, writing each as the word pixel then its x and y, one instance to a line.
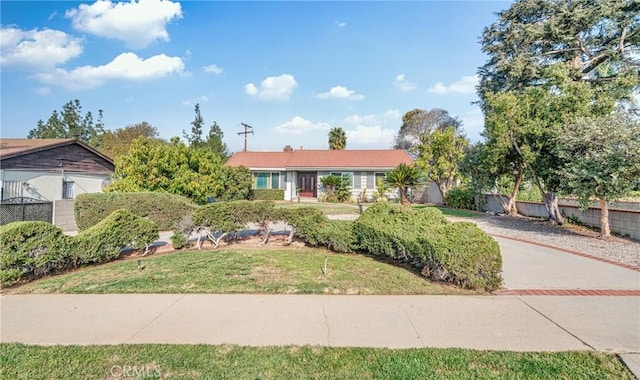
pixel 605 231
pixel 511 206
pixel 551 203
pixel 443 188
pixel 404 199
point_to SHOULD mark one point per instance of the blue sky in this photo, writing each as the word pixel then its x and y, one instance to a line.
pixel 292 70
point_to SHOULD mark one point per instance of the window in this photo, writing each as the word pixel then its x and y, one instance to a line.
pixel 345 174
pixel 11 189
pixel 265 180
pixel 378 178
pixel 67 189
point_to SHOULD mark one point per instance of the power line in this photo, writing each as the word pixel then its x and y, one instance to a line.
pixel 247 129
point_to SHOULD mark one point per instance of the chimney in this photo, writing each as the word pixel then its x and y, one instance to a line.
pixel 287 148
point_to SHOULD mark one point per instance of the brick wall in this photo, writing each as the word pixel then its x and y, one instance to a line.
pixel 63 215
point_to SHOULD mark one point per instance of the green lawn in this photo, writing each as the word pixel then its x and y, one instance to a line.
pixel 243 268
pixel 233 362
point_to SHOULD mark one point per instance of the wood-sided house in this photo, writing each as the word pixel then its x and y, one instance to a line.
pixel 293 170
pixel 51 169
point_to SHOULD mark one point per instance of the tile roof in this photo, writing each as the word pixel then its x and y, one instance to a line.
pixel 321 159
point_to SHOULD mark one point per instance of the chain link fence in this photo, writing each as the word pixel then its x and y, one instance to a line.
pixel 24 208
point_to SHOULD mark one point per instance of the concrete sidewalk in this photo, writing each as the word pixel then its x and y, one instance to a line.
pixel 480 322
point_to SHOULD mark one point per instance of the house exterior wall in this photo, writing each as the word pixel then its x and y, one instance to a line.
pixel 47 186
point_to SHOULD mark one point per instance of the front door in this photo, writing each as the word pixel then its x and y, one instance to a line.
pixel 307 184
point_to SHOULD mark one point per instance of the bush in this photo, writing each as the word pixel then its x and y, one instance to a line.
pixel 464 255
pixel 266 195
pixel 104 241
pixel 462 197
pixel 166 210
pixel 460 253
pixel 29 250
pixel 338 236
pixel 307 222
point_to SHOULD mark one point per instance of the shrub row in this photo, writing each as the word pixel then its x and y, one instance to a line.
pixel 266 194
pixel 224 219
pixel 460 253
pixel 29 250
pixel 166 210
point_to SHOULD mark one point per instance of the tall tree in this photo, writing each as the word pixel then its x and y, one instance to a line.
pixel 417 122
pixel 117 143
pixel 70 123
pixel 337 139
pixel 439 154
pixel 195 137
pixel 602 160
pixel 550 62
pixel 404 178
pixel 214 142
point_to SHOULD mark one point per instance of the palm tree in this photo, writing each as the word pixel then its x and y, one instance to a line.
pixel 403 177
pixel 337 139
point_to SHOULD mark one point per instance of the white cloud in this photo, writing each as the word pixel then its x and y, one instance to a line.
pixel 212 69
pixel 473 123
pixel 372 130
pixel 273 88
pixel 402 84
pixel 39 48
pixel 340 92
pixel 372 135
pixel 389 116
pixel 464 85
pixel 199 99
pixel 340 24
pixel 126 66
pixel 298 126
pixel 137 23
pixel 42 91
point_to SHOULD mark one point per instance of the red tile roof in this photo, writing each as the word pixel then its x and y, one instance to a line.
pixel 321 159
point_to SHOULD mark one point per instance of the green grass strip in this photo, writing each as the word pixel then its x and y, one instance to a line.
pixel 145 361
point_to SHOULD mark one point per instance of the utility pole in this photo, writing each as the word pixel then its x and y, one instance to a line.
pixel 247 129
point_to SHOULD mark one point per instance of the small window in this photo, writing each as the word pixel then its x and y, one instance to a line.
pixel 262 180
pixel 266 180
pixel 67 189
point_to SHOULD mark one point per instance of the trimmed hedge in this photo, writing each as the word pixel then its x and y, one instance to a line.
pixel 462 197
pixel 266 195
pixel 104 241
pixel 166 210
pixel 29 250
pixel 460 253
pixel 338 236
pixel 464 255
